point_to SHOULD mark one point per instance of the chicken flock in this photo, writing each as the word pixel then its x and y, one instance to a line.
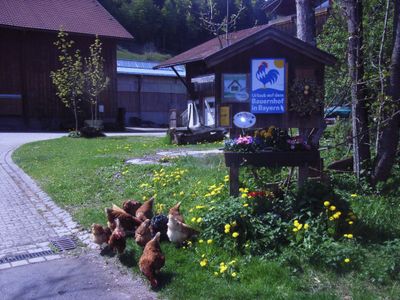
pixel 137 220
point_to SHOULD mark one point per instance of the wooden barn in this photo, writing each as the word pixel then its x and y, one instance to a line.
pixel 147 95
pixel 28 30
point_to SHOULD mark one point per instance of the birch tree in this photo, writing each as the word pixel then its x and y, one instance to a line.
pixel 69 78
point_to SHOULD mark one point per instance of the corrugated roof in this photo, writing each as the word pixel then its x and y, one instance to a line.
pixel 283 28
pixel 134 67
pixel 77 16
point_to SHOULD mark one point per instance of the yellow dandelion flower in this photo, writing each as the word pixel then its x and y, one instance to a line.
pixel 201 241
pixel 331 218
pixel 300 226
pixel 234 274
pixel 228 226
pixel 216 273
pixel 245 205
pixel 327 203
pixel 296 223
pixel 235 234
pixel 244 195
pixel 351 222
pixel 203 263
pixel 353 195
pixel 306 226
pixel 223 268
pixel 347 260
pixel 199 220
pixel 181 193
pixel 332 208
pixel 194 219
pixel 295 229
pixel 234 223
pixel 209 241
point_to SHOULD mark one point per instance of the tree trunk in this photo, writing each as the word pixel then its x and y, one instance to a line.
pixel 306 21
pixel 389 139
pixel 74 108
pixel 353 10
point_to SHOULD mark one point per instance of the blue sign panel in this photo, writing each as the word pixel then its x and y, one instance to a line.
pixel 268 88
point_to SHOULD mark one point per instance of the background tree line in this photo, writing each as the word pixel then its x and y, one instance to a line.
pixel 174 26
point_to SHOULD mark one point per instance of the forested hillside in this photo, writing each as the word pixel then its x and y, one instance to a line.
pixel 172 26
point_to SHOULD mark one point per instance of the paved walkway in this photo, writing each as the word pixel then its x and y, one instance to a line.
pixel 29 219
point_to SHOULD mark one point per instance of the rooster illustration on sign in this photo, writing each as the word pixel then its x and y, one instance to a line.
pixel 266 77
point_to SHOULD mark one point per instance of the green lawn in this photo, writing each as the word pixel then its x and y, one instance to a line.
pixel 85 176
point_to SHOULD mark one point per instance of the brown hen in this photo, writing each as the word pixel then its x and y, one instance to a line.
pixel 143 233
pixel 131 206
pixel 145 211
pixel 100 235
pixel 179 232
pixel 152 260
pixel 117 241
pixel 174 212
pixel 128 222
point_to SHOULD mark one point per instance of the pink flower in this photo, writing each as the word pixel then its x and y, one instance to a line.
pixel 246 140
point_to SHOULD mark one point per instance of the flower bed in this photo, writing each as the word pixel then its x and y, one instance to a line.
pixel 271 158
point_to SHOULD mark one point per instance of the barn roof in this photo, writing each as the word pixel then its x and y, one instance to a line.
pixel 76 16
pixel 280 30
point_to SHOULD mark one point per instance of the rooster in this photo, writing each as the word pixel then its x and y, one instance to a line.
pixel 143 233
pixel 128 222
pixel 152 260
pixel 117 241
pixel 179 232
pixel 145 211
pixel 174 212
pixel 266 77
pixel 131 206
pixel 100 235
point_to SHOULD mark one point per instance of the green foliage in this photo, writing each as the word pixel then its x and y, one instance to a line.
pixel 384 262
pixel 174 26
pixel 123 53
pixel 290 250
pixel 337 140
pixel 95 78
pixel 69 78
pixel 333 39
